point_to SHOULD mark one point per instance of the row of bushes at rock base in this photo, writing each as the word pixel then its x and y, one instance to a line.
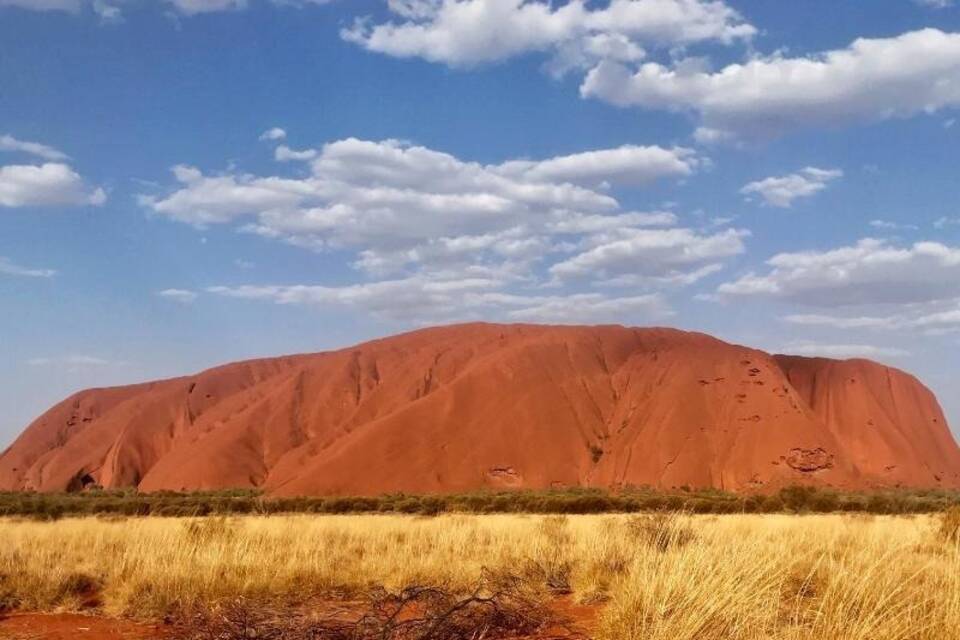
pixel 569 501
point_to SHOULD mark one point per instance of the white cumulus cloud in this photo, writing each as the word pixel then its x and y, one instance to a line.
pixel 275 133
pixel 870 272
pixel 651 253
pixel 283 153
pixel 401 205
pixel 629 164
pixel 433 236
pixel 49 184
pixel 872 79
pixel 462 33
pixel 781 191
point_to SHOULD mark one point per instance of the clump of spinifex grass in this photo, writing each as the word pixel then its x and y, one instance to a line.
pixel 950 525
pixel 662 531
pixel 549 563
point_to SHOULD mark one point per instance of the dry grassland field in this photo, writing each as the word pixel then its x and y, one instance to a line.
pixel 610 577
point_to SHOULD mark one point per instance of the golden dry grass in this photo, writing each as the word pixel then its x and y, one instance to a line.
pixel 747 577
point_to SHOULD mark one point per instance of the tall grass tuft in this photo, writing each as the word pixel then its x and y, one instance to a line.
pixel 950 525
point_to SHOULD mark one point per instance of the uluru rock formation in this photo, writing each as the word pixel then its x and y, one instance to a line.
pixel 476 406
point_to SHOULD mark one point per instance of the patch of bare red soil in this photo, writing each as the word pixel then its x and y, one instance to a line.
pixel 66 626
pixel 578 621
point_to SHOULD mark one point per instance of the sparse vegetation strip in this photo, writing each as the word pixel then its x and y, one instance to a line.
pixel 561 501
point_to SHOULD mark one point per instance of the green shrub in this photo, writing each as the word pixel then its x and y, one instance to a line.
pixel 568 500
pixel 772 504
pixel 798 498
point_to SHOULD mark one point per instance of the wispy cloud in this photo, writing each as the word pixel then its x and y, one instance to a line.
pixel 11 144
pixel 935 4
pixel 870 272
pixel 945 222
pixel 888 225
pixel 843 350
pixel 12 269
pixel 74 362
pixel 182 296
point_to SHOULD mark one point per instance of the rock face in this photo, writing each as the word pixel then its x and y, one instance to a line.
pixel 500 406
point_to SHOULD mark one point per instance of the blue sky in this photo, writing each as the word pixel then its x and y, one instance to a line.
pixel 189 182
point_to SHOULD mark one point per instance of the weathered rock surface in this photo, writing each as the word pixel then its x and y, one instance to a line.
pixel 502 406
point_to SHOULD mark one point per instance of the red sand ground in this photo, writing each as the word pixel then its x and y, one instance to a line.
pixel 67 626
pixel 578 621
pixel 501 406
